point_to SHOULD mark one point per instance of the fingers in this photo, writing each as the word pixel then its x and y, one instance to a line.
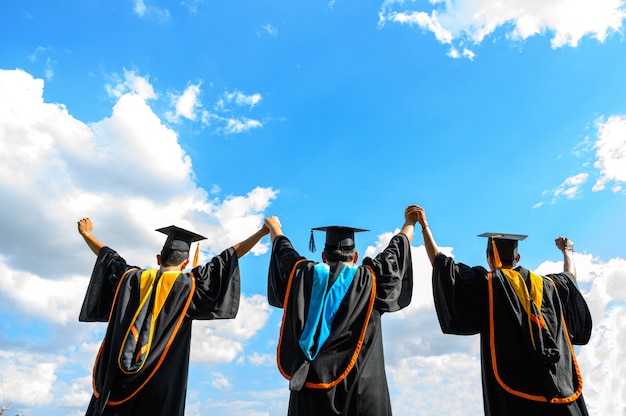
pixel 85 225
pixel 272 222
pixel 564 243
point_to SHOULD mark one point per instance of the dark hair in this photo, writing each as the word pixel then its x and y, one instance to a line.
pixel 506 252
pixel 173 257
pixel 340 255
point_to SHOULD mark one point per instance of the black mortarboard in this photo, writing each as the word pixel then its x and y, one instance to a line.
pixel 179 239
pixel 506 245
pixel 337 237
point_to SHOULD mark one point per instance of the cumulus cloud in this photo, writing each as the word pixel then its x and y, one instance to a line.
pixel 220 341
pixel 29 378
pixel 53 300
pixel 465 23
pixel 442 384
pixel 55 169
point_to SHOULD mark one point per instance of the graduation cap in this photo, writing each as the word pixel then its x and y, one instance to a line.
pixel 337 237
pixel 178 238
pixel 503 246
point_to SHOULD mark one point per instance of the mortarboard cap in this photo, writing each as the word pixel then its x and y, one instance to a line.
pixel 337 237
pixel 178 238
pixel 505 244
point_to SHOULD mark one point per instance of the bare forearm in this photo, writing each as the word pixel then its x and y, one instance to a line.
pixel 429 243
pixel 408 229
pixel 274 227
pixel 93 243
pixel 568 262
pixel 246 245
pixel 567 248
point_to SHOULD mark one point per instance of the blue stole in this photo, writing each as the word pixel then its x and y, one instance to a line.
pixel 323 307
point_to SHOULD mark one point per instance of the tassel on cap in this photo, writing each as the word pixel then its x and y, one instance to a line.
pixel 312 243
pixel 196 256
pixel 496 255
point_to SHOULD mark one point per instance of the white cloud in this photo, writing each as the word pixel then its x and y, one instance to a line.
pixel 28 378
pixel 471 21
pixel 188 101
pixel 192 5
pixel 611 152
pixel 129 173
pixel 140 7
pixel 56 301
pixel 131 83
pixel 570 188
pixel 610 160
pixel 225 117
pixel 79 392
pixel 186 104
pixel 444 384
pixel 220 382
pixel 142 10
pixel 236 126
pixel 221 341
pixel 261 359
pixel 271 30
pixel 242 99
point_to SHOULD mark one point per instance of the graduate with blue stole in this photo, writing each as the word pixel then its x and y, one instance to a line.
pixel 330 346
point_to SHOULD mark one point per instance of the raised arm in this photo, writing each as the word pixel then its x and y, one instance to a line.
pixel 411 214
pixel 246 245
pixel 429 241
pixel 567 248
pixel 274 226
pixel 85 227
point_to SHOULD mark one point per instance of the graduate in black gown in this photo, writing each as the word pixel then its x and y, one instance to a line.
pixel 527 325
pixel 330 346
pixel 143 362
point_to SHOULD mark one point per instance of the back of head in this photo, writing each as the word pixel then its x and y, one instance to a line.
pixel 177 246
pixel 339 244
pixel 171 258
pixel 340 255
pixel 503 247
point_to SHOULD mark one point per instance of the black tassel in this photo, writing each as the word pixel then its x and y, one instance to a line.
pixel 312 243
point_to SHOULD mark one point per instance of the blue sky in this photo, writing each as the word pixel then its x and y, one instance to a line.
pixel 495 116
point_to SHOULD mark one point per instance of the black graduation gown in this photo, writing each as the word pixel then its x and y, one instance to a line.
pixel 516 379
pixel 342 379
pixel 210 291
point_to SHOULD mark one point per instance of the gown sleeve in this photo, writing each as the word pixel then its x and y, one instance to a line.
pixel 217 288
pixel 460 296
pixel 283 258
pixel 106 274
pixel 394 274
pixel 575 309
